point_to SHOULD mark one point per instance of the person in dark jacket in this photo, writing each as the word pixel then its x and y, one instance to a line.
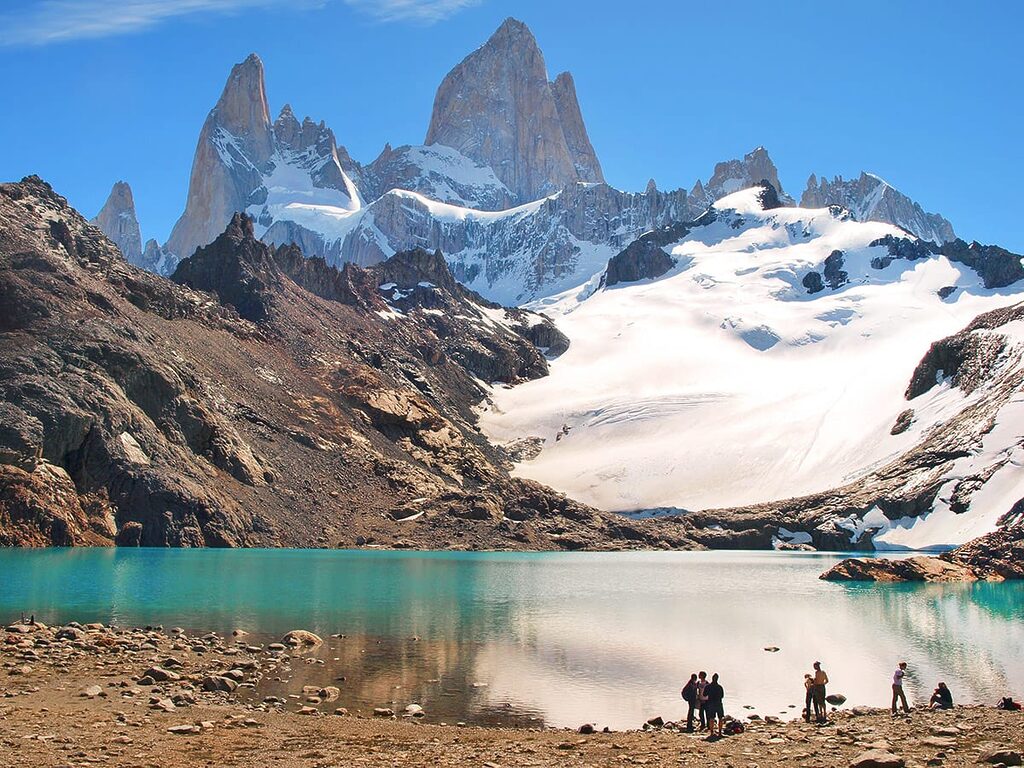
pixel 942 698
pixel 689 694
pixel 715 694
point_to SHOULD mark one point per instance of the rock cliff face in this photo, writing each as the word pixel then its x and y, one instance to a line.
pixel 117 220
pixel 267 399
pixel 869 198
pixel 588 167
pixel 498 108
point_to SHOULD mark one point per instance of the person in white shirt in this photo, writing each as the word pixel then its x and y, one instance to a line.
pixel 897 688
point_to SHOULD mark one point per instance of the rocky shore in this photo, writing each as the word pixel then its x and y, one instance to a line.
pixel 84 695
pixel 994 557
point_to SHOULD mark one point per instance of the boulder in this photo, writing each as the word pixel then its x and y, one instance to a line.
pixel 877 758
pixel 302 638
pixel 1003 755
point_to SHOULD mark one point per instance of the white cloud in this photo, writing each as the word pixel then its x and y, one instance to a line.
pixel 54 21
pixel 424 11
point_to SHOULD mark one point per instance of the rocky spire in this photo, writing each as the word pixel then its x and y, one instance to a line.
pixel 584 158
pixel 234 146
pixel 117 221
pixel 498 108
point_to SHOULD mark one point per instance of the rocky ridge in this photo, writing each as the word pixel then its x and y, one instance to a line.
pixel 267 399
pixel 869 198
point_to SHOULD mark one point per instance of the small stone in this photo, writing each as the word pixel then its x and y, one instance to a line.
pixel 308 710
pixel 656 722
pixel 383 712
pixel 586 729
pixel 341 711
pixel 183 730
pixel 91 692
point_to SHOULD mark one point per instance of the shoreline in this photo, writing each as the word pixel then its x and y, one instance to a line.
pixel 73 695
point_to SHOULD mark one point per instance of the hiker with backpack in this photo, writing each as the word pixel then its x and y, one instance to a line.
pixel 689 694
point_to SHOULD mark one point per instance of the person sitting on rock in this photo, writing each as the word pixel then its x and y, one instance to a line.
pixel 897 689
pixel 942 698
pixel 818 693
pixel 715 694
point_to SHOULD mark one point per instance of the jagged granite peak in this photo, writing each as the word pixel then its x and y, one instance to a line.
pixel 234 146
pixel 244 162
pixel 870 198
pixel 583 156
pixel 733 175
pixel 118 221
pixel 497 107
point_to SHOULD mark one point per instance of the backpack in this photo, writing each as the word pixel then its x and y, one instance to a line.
pixel 734 727
pixel 689 692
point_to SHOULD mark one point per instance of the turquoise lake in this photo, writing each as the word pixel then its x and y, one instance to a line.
pixel 550 638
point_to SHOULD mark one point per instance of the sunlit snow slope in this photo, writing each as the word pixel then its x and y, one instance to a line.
pixel 725 382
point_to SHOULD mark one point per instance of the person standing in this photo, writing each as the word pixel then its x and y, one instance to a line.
pixel 689 694
pixel 808 696
pixel 897 688
pixel 820 680
pixel 715 695
pixel 702 700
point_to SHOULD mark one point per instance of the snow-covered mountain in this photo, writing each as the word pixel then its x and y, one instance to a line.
pixel 508 184
pixel 764 355
pixel 870 198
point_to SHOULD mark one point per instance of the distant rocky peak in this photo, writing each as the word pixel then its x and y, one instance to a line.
pixel 871 198
pixel 733 175
pixel 117 220
pixel 498 108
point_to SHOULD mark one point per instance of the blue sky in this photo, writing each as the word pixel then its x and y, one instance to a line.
pixel 926 94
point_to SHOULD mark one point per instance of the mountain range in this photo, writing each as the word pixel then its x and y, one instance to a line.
pixel 507 183
pixel 430 349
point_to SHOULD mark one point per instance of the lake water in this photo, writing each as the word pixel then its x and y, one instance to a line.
pixel 550 638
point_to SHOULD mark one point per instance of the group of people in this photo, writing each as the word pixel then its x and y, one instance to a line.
pixel 814 694
pixel 705 702
pixel 705 698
